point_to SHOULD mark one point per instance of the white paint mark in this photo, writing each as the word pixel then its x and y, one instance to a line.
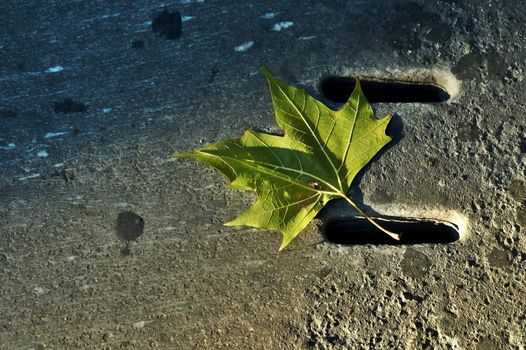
pixel 39 291
pixel 187 18
pixel 8 147
pixel 278 27
pixel 269 15
pixel 54 134
pixel 58 165
pixel 71 258
pixel 141 324
pixel 106 110
pixel 32 176
pixel 54 69
pixel 244 47
pixel 310 37
pixel 122 205
pixel 42 154
pixel 169 160
pixel 110 15
pixel 256 262
pixel 88 286
pixel 78 197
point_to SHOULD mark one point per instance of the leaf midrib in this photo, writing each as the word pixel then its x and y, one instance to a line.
pixel 313 135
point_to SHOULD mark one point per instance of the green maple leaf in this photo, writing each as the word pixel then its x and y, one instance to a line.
pixel 315 161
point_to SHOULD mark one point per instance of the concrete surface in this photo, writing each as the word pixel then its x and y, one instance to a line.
pixel 92 102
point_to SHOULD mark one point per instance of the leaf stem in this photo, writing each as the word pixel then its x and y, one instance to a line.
pixel 391 234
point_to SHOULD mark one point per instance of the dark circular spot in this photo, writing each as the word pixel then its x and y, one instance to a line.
pixel 167 25
pixel 21 66
pixel 69 106
pixel 137 44
pixel 129 226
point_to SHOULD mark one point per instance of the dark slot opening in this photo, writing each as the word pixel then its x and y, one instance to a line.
pixel 338 89
pixel 355 231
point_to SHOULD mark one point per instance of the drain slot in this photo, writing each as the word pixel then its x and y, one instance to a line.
pixel 357 230
pixel 338 89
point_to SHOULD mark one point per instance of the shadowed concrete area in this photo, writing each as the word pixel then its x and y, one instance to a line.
pixel 106 242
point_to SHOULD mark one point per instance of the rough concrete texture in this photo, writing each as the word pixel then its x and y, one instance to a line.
pixel 93 101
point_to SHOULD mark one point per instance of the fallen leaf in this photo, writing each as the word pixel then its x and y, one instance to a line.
pixel 315 161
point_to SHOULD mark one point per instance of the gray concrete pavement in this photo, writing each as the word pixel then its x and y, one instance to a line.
pixel 92 102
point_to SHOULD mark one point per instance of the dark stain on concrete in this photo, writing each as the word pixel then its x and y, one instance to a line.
pixel 469 66
pixel 496 65
pixel 137 44
pixel 473 65
pixel 8 113
pixel 517 190
pixel 411 20
pixel 498 258
pixel 468 133
pixel 415 264
pixel 168 25
pixel 486 344
pixel 129 226
pixel 381 196
pixel 522 145
pixel 521 216
pixel 69 106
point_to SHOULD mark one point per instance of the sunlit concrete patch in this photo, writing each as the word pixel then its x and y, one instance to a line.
pixel 466 154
